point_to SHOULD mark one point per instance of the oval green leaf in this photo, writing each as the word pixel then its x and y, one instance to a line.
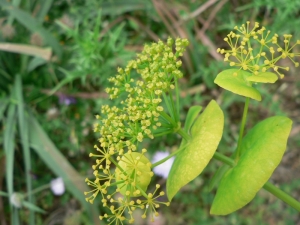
pixel 262 149
pixel 238 83
pixel 205 137
pixel 265 77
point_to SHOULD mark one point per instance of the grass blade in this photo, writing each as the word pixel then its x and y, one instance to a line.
pixel 15 214
pixel 3 194
pixel 34 63
pixel 9 144
pixel 23 131
pixel 117 7
pixel 33 25
pixel 15 3
pixel 169 105
pixel 3 106
pixel 32 207
pixel 55 160
pixel 45 7
pixel 44 53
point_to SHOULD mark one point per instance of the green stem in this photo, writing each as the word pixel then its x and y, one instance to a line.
pixel 4 194
pixel 117 165
pixel 242 128
pixel 177 98
pixel 168 102
pixel 168 118
pixel 39 189
pixel 183 134
pixel 224 159
pixel 116 183
pixel 163 133
pixel 142 191
pixel 176 116
pixel 169 156
pixel 282 195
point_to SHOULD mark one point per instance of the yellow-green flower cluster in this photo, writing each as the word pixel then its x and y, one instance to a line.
pixel 121 173
pixel 256 50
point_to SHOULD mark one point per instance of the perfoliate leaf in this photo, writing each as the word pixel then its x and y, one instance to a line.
pixel 235 80
pixel 262 149
pixel 265 77
pixel 205 137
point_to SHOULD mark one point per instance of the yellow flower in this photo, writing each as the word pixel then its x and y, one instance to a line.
pixel 121 172
pixel 252 46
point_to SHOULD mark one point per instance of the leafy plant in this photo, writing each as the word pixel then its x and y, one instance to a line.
pixel 121 169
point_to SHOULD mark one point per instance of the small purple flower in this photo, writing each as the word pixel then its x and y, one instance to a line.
pixel 164 168
pixel 66 100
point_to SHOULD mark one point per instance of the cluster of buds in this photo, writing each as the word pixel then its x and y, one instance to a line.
pixel 122 172
pixel 256 50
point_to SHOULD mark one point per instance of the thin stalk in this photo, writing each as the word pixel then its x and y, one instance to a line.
pixel 177 98
pixel 4 194
pixel 116 183
pixel 158 134
pixel 117 165
pixel 166 125
pixel 168 118
pixel 168 104
pixel 242 127
pixel 142 191
pixel 224 159
pixel 183 134
pixel 37 190
pixel 282 195
pixel 175 116
pixel 169 156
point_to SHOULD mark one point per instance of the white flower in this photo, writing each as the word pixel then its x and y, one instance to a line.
pixel 57 186
pixel 164 168
pixel 16 199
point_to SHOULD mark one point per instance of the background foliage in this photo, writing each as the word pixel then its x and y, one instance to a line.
pixel 55 58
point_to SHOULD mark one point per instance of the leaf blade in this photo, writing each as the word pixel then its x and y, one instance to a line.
pixel 237 84
pixel 4 102
pixel 262 150
pixel 206 134
pixel 23 132
pixel 33 25
pixel 33 207
pixel 44 53
pixel 52 157
pixel 9 136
